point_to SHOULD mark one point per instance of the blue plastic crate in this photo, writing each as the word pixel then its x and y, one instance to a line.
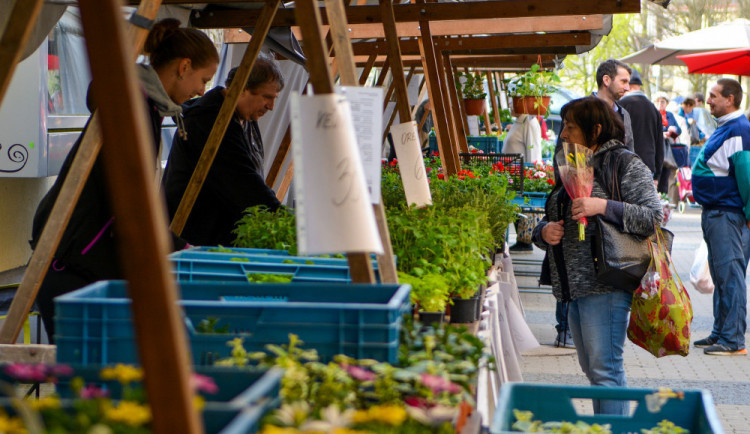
pixel 93 324
pixel 194 265
pixel 536 201
pixel 244 396
pixel 695 412
pixel 487 144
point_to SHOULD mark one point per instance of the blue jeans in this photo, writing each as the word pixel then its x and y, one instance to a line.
pixel 599 326
pixel 728 240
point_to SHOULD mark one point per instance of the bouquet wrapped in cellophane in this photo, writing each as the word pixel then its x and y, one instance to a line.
pixel 577 175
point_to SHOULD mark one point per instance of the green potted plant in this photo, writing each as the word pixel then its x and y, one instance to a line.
pixel 531 90
pixel 472 89
pixel 430 291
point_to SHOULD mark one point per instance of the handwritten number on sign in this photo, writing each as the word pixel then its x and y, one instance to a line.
pixel 346 182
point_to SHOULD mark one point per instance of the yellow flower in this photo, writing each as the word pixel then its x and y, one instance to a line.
pixel 272 429
pixel 130 413
pixel 349 431
pixel 199 402
pixel 390 414
pixel 125 374
pixel 45 403
pixel 11 425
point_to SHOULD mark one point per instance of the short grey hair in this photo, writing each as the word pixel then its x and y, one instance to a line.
pixel 265 70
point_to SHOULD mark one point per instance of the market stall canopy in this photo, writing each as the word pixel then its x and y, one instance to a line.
pixel 733 34
pixel 735 62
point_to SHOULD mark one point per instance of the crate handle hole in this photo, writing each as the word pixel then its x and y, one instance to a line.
pixel 585 406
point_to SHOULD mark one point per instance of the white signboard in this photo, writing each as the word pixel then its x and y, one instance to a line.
pixel 411 164
pixel 334 213
pixel 367 113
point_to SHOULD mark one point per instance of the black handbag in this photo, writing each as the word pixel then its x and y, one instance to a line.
pixel 621 259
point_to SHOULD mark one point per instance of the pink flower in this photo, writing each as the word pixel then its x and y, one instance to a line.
pixel 439 384
pixel 202 383
pixel 358 373
pixel 27 372
pixel 416 401
pixel 91 391
pixel 61 371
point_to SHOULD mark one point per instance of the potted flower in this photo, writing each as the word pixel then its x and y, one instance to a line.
pixel 472 89
pixel 531 90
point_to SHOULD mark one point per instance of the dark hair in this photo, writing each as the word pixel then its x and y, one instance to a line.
pixel 699 97
pixel 731 87
pixel 609 67
pixel 689 101
pixel 591 111
pixel 168 41
pixel 265 70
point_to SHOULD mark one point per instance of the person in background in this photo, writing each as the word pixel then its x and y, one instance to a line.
pixel 721 185
pixel 670 129
pixel 236 179
pixel 613 81
pixel 706 122
pixel 525 138
pixel 598 313
pixel 181 62
pixel 646 122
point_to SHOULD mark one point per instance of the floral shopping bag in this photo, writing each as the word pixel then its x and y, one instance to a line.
pixel 661 313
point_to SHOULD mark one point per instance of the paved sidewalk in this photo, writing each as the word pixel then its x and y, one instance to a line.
pixel 728 378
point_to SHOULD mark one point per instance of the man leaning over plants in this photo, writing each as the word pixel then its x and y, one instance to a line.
pixel 235 180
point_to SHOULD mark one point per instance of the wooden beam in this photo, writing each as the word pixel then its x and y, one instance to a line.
pixel 223 118
pixel 20 22
pixel 518 62
pixel 286 182
pixel 490 26
pixel 481 44
pixel 448 157
pixel 140 220
pixel 24 353
pixel 59 216
pixel 493 100
pixel 278 161
pixel 367 67
pixel 456 107
pixel 412 12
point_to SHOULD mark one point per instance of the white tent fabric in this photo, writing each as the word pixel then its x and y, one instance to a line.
pixel 732 34
pixel 47 19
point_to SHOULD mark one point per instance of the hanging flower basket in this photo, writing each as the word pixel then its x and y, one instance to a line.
pixel 474 107
pixel 531 105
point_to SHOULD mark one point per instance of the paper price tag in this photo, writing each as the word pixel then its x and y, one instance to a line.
pixel 411 163
pixel 334 213
pixel 366 104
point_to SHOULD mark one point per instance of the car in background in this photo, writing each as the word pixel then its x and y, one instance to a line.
pixel 560 97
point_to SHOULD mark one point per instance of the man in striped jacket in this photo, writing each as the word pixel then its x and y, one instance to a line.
pixel 721 184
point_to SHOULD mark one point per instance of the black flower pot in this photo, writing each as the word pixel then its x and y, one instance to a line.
pixel 463 310
pixel 429 318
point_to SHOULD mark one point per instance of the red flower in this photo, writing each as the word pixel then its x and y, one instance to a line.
pixel 441 176
pixel 461 177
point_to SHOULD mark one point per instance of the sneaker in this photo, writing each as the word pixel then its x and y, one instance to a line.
pixel 705 342
pixel 521 248
pixel 723 350
pixel 564 340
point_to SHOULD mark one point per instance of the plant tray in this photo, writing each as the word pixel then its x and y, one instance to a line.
pixel 487 144
pixel 200 264
pixel 94 326
pixel 244 396
pixel 512 165
pixel 695 412
pixel 531 201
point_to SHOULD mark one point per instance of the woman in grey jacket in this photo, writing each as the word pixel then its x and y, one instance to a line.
pixel 597 313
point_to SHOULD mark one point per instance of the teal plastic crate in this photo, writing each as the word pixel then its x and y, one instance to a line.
pixel 94 326
pixel 487 144
pixel 695 412
pixel 531 201
pixel 195 265
pixel 244 396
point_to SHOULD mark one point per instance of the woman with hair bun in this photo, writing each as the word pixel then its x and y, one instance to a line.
pixel 181 63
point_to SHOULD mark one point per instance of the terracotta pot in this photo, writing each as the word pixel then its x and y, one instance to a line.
pixel 474 107
pixel 525 105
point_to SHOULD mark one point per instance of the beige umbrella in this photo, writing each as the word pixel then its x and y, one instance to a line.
pixel 733 34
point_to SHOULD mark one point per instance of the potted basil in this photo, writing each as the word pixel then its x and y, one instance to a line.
pixel 531 90
pixel 472 89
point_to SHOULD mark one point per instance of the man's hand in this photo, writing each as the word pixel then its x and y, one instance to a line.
pixel 587 207
pixel 553 232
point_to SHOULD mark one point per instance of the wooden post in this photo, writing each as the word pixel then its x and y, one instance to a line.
pixel 456 107
pixel 224 117
pixel 487 125
pixel 493 100
pixel 448 156
pixel 368 67
pixel 308 17
pixel 20 22
pixel 399 109
pixel 278 161
pixel 41 258
pixel 140 220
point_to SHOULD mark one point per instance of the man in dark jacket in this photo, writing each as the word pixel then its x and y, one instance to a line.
pixel 235 180
pixel 645 120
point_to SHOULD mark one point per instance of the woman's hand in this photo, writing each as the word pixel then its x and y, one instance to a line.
pixel 587 207
pixel 553 232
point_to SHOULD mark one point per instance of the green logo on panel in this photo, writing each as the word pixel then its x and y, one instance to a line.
pixel 31 145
